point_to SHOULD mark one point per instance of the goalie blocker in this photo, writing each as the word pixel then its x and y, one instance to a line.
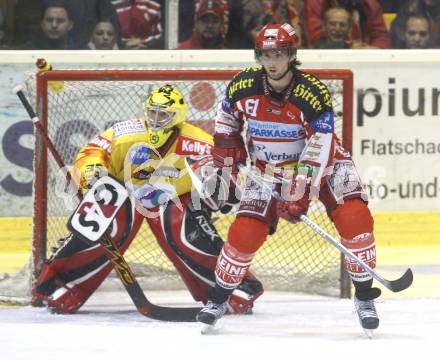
pixel 189 240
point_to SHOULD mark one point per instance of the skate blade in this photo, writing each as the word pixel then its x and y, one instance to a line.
pixel 369 333
pixel 207 329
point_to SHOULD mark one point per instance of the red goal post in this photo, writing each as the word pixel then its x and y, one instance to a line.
pixel 75 105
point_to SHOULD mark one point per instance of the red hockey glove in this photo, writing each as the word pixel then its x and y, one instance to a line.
pixel 298 202
pixel 229 151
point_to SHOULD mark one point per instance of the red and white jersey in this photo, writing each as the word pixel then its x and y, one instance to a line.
pixel 281 129
pixel 139 19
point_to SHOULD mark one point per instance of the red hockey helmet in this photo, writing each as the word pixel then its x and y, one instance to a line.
pixel 276 37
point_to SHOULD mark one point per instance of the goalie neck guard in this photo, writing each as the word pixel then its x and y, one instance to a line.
pixel 164 110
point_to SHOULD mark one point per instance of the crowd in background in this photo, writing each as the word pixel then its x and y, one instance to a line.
pixel 218 24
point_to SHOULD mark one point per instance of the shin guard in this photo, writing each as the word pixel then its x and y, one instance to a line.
pixel 231 269
pixel 354 223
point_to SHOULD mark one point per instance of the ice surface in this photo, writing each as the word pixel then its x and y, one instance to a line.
pixel 283 326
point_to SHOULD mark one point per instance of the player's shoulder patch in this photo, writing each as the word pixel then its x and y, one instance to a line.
pixel 129 127
pixel 313 80
pixel 243 84
pixel 193 141
pixel 312 92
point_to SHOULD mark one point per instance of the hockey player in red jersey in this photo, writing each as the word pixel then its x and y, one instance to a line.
pixel 290 139
pixel 147 154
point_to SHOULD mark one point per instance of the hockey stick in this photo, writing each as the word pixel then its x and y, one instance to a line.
pixel 125 274
pixel 397 285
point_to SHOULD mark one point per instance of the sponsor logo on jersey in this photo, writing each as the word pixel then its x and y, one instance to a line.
pixel 278 152
pixel 305 93
pixel 273 111
pixel 225 129
pixel 260 147
pixel 238 85
pixel 280 157
pixel 187 146
pixel 102 142
pixel 270 130
pixel 167 171
pixel 323 123
pixel 128 127
pixel 139 154
pixel 323 90
pixel 291 115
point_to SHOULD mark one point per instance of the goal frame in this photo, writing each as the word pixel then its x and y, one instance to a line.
pixel 39 236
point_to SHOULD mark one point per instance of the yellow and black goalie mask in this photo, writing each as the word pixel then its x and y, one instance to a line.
pixel 164 110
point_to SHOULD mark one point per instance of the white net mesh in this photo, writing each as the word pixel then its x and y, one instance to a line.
pixel 295 258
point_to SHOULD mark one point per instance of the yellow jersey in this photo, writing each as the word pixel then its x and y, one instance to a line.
pixel 152 175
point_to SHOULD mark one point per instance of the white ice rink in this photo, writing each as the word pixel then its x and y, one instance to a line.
pixel 283 326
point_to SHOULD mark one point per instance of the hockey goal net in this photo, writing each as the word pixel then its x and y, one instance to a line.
pixel 76 105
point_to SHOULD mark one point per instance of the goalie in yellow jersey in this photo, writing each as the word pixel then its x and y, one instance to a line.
pixel 148 155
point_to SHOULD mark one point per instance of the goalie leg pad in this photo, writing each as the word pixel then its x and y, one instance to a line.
pixel 64 297
pixel 192 244
pixel 77 269
pixel 354 223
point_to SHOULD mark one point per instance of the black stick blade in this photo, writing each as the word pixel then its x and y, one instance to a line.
pixel 402 283
pixel 174 314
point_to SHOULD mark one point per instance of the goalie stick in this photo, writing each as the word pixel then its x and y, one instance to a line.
pixel 397 285
pixel 125 274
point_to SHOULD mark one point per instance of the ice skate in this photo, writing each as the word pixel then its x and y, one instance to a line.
pixel 209 315
pixel 367 314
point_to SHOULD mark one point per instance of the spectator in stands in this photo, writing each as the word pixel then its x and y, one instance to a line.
pixel 417 32
pixel 104 36
pixel 140 22
pixel 85 13
pixel 337 29
pixel 186 19
pixel 368 28
pixel 27 18
pixel 7 11
pixel 210 26
pixel 428 8
pixel 55 27
pixel 254 14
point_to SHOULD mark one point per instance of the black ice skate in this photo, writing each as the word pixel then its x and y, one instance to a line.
pixel 210 313
pixel 367 315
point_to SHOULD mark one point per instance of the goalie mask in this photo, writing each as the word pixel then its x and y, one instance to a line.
pixel 164 110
